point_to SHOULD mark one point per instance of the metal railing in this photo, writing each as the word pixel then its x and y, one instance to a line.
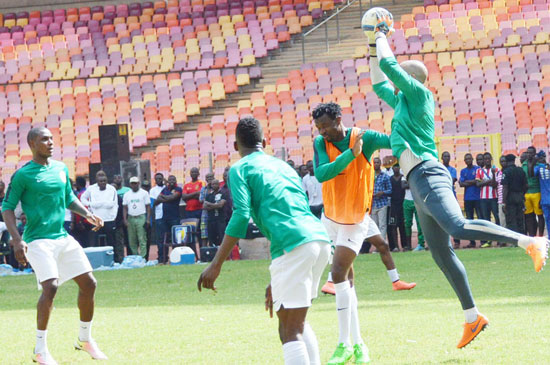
pixel 325 24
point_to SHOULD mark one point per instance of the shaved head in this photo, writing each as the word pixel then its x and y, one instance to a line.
pixel 35 132
pixel 416 69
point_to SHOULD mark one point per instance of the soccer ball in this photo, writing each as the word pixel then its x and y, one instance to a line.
pixel 377 18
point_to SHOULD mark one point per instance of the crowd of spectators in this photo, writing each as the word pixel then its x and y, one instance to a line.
pixel 140 215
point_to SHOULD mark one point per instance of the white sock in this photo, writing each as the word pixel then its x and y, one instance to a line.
pixel 85 331
pixel 471 314
pixel 343 307
pixel 394 276
pixel 295 353
pixel 311 344
pixel 41 344
pixel 525 241
pixel 329 278
pixel 354 324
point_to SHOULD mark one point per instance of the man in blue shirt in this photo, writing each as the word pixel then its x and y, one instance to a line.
pixel 542 171
pixel 381 198
pixel 471 190
pixel 170 198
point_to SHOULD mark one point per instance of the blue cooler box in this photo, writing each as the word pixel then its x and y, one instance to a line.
pixel 182 255
pixel 100 256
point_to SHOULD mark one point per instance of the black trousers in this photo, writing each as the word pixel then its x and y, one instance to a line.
pixel 469 207
pixel 216 230
pixel 515 206
pixel 108 230
pixel 396 224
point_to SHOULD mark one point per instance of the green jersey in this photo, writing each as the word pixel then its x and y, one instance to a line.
pixel 270 191
pixel 44 192
pixel 123 190
pixel 413 125
pixel 533 183
pixel 325 170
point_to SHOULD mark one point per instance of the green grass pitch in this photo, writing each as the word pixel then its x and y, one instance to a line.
pixel 156 315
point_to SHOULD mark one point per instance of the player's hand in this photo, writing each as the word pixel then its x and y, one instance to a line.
pixel 358 146
pixel 208 277
pixel 269 301
pixel 20 251
pixel 385 21
pixel 96 221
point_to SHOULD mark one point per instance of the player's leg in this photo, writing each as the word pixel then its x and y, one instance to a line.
pixel 453 269
pixel 291 327
pixel 539 213
pixel 87 285
pixel 431 186
pixel 546 212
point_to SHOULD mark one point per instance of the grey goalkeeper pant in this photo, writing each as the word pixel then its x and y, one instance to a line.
pixel 441 218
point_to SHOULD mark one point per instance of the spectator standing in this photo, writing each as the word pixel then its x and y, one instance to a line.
pixel 157 207
pixel 486 180
pixel 397 218
pixel 446 160
pixel 101 199
pixel 170 198
pixel 146 185
pixel 471 190
pixel 514 186
pixel 542 172
pixel 118 247
pixel 479 160
pixel 82 230
pixel 501 215
pixel 191 194
pixel 120 189
pixel 204 215
pixel 532 197
pixel 381 198
pixel 302 171
pixel 314 191
pixel 214 203
pixel 228 206
pixel 137 215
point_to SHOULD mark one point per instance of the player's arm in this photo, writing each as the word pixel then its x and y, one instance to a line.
pixel 412 88
pixel 324 169
pixel 175 195
pixel 374 141
pixel 236 228
pixel 148 210
pixel 11 199
pixel 380 84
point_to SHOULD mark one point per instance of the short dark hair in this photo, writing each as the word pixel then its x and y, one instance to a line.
pixel 80 181
pixel 100 173
pixel 532 148
pixel 468 154
pixel 249 132
pixel 331 109
pixel 33 133
pixel 511 158
pixel 159 173
pixel 488 154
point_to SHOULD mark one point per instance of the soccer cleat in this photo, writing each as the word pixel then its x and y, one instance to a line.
pixel 402 285
pixel 341 355
pixel 91 348
pixel 43 358
pixel 419 248
pixel 538 250
pixel 486 245
pixel 361 353
pixel 328 288
pixel 471 330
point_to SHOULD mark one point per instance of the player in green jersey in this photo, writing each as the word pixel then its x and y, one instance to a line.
pixel 43 188
pixel 270 191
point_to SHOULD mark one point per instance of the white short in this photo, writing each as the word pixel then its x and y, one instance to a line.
pixel 295 275
pixel 62 259
pixel 350 235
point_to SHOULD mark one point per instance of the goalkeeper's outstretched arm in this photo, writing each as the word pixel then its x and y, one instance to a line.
pixel 381 87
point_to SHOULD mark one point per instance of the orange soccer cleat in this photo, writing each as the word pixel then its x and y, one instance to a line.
pixel 402 285
pixel 328 288
pixel 471 330
pixel 538 250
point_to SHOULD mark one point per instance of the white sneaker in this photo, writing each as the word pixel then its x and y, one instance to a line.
pixel 43 358
pixel 91 348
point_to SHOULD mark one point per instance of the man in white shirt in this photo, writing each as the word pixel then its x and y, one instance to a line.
pixel 137 215
pixel 314 191
pixel 101 200
pixel 157 211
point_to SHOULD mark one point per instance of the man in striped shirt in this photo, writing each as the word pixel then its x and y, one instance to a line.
pixel 501 215
pixel 486 181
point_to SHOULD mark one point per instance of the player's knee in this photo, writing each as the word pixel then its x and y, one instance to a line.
pixel 89 286
pixel 339 273
pixel 49 289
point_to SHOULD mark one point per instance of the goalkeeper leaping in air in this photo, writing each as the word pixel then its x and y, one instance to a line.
pixel 412 141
